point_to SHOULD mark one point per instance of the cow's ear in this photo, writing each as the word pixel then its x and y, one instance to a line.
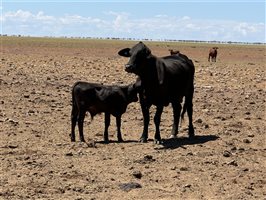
pixel 124 52
pixel 147 51
pixel 160 73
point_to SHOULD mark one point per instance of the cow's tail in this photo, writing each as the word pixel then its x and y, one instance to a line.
pixel 74 111
pixel 74 104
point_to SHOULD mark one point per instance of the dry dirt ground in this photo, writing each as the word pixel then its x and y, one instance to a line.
pixel 37 160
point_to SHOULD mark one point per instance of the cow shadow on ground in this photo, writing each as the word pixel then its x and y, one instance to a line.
pixel 115 141
pixel 183 141
pixel 172 143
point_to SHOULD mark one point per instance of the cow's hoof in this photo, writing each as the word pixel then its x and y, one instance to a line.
pixel 120 140
pixel 191 132
pixel 143 140
pixel 73 140
pixel 172 137
pixel 156 141
pixel 191 136
pixel 106 141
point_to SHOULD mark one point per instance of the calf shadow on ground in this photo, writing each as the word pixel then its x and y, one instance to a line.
pixel 182 141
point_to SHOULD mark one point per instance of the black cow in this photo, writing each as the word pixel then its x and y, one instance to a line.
pixel 97 98
pixel 213 54
pixel 164 80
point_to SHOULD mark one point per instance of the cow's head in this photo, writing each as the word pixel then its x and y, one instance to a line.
pixel 137 54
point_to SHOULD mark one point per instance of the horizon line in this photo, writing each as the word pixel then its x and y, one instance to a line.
pixel 137 39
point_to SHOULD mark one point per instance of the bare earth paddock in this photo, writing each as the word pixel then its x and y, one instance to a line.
pixel 226 160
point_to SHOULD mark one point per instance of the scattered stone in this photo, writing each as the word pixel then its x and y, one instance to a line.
pixel 233 148
pixel 251 135
pixel 13 122
pixel 187 186
pixel 173 168
pixel 148 158
pixel 31 111
pixel 91 144
pixel 129 186
pixel 80 152
pixel 227 153
pixel 234 181
pixel 137 174
pixel 183 168
pixel 69 154
pixel 12 146
pixel 233 163
pixel 199 121
pixel 247 141
pixel 241 149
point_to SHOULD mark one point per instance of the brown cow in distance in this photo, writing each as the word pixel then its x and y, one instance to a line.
pixel 213 54
pixel 174 52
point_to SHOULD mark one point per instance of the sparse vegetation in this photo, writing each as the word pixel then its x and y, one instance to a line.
pixel 38 161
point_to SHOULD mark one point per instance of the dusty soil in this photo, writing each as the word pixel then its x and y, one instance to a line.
pixel 226 160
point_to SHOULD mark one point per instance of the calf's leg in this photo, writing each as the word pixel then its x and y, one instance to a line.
pixel 107 123
pixel 74 115
pixel 118 125
pixel 81 117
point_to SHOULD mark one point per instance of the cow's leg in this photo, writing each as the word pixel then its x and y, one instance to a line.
pixel 146 120
pixel 176 113
pixel 189 99
pixel 118 124
pixel 157 121
pixel 81 117
pixel 74 115
pixel 107 123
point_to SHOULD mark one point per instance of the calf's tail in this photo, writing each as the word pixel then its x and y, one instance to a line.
pixel 184 110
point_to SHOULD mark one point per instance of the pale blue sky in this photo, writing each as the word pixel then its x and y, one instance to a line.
pixel 221 20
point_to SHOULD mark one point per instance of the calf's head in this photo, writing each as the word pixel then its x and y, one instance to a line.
pixel 132 91
pixel 138 54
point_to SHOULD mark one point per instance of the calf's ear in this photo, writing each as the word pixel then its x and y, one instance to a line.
pixel 124 52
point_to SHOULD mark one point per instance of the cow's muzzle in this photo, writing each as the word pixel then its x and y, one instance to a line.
pixel 129 68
